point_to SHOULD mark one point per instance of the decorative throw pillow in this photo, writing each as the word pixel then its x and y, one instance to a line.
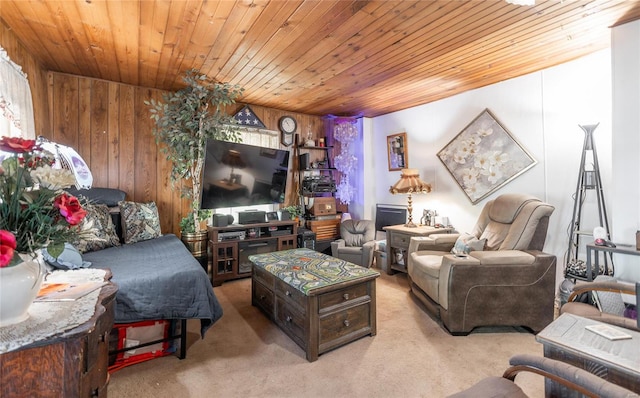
pixel 70 258
pixel 140 221
pixel 103 231
pixel 467 243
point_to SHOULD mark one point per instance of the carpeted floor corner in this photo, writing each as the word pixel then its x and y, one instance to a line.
pixel 245 355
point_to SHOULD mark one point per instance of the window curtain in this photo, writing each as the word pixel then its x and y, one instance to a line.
pixel 260 137
pixel 16 105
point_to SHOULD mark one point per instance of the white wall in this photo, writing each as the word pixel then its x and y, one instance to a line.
pixel 541 110
pixel 625 204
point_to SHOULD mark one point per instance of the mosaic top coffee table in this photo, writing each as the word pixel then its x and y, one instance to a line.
pixel 319 301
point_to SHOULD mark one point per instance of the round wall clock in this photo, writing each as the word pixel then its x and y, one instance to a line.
pixel 288 126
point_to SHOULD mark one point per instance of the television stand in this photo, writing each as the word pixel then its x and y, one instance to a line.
pixel 232 245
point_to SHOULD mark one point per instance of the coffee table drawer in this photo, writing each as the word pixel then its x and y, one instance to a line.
pixel 263 297
pixel 263 276
pixel 344 324
pixel 291 322
pixel 328 300
pixel 291 295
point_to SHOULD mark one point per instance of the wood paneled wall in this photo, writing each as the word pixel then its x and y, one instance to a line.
pixel 109 125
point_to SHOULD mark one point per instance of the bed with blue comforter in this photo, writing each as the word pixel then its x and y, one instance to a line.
pixel 158 279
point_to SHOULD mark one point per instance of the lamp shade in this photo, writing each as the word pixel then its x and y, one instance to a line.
pixel 410 182
pixel 67 158
pixel 232 158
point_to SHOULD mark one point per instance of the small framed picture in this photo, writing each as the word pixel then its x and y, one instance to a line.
pixel 397 152
pixel 272 216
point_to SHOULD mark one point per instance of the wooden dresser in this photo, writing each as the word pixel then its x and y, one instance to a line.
pixel 71 365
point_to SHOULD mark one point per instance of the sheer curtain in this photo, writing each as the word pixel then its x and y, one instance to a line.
pixel 16 106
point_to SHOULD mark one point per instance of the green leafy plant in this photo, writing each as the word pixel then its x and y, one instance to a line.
pixel 185 120
pixel 294 211
pixel 187 225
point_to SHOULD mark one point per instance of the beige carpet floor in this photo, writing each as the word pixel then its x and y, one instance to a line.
pixel 245 355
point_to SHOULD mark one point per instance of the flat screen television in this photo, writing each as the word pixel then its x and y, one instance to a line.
pixel 238 174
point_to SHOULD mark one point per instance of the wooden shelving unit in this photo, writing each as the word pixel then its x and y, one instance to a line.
pixel 316 179
pixel 231 246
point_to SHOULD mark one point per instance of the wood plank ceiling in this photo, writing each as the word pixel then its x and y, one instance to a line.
pixel 316 57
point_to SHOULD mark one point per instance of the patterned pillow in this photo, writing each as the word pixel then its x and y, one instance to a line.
pixel 104 235
pixel 467 243
pixel 140 221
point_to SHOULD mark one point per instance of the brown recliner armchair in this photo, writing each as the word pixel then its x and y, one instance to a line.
pixel 357 242
pixel 510 282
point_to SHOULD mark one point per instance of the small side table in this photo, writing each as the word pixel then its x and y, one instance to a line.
pixel 593 254
pixel 567 340
pixel 398 238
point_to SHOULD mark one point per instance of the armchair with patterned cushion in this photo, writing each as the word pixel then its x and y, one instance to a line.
pixel 498 276
pixel 357 242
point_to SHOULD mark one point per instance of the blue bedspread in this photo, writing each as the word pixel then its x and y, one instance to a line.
pixel 158 279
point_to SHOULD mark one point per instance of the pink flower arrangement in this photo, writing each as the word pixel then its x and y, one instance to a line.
pixel 35 212
pixel 7 247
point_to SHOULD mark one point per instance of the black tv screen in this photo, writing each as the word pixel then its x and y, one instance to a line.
pixel 243 175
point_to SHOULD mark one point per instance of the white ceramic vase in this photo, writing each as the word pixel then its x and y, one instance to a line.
pixel 19 286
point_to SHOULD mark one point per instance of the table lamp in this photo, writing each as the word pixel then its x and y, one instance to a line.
pixel 410 183
pixel 233 159
pixel 67 158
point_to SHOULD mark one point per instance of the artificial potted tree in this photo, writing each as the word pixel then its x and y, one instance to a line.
pixel 185 120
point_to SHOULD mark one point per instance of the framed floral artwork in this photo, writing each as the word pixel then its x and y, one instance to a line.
pixel 397 153
pixel 484 157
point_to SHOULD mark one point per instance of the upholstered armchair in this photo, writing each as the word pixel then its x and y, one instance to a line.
pixel 357 242
pixel 507 281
